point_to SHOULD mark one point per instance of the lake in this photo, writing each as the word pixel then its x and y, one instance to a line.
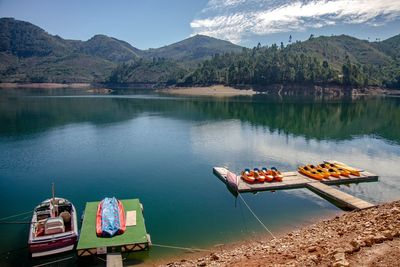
pixel 161 149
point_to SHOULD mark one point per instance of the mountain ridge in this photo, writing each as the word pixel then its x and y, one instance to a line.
pixel 197 46
pixel 29 54
pixel 16 28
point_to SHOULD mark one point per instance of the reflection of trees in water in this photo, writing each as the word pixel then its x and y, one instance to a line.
pixel 320 119
pixel 27 115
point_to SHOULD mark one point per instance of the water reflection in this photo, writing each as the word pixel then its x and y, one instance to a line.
pixel 311 118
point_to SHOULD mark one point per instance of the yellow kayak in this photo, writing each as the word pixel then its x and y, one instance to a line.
pixel 332 171
pixel 342 171
pixel 310 173
pixel 320 170
pixel 351 170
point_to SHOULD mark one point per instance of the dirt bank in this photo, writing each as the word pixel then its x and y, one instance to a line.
pixel 361 238
pixel 216 90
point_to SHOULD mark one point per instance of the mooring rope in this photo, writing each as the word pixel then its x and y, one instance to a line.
pixel 15 222
pixel 255 216
pixel 183 248
pixel 52 262
pixel 16 215
pixel 101 259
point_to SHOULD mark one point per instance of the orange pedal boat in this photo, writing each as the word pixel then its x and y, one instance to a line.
pixel 248 176
pixel 259 175
pixel 276 174
pixel 268 175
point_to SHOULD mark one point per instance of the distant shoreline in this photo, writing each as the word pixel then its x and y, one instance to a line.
pixel 90 88
pixel 45 85
pixel 218 90
pixel 215 90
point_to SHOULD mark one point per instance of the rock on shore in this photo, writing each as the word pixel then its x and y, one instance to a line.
pixel 361 238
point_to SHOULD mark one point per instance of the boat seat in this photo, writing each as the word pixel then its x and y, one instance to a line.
pixel 42 215
pixel 54 226
pixel 66 216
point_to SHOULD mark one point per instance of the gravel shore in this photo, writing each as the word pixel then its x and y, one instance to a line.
pixel 360 238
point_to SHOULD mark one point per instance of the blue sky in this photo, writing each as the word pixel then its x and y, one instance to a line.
pixel 154 23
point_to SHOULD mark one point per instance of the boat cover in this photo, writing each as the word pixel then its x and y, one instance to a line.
pixel 110 218
pixel 232 180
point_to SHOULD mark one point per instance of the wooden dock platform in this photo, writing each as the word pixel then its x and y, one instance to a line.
pixel 292 180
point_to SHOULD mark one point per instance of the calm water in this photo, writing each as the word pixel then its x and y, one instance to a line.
pixel 162 150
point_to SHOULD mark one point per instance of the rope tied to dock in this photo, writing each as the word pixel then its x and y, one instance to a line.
pixel 16 215
pixel 15 222
pixel 52 262
pixel 182 248
pixel 255 216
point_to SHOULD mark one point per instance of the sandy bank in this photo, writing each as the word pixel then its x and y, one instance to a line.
pixel 215 90
pixel 361 238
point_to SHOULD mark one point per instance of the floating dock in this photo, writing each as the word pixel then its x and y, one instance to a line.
pixel 292 180
pixel 342 199
pixel 135 237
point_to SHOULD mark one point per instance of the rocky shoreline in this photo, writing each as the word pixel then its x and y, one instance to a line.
pixel 320 90
pixel 360 238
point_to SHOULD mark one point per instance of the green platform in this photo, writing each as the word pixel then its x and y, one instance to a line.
pixel 135 237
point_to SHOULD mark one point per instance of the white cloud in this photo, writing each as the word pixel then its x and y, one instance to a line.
pixel 238 19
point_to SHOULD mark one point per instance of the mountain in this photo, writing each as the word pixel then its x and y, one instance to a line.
pixel 109 48
pixel 29 53
pixel 198 47
pixel 24 39
pixel 390 46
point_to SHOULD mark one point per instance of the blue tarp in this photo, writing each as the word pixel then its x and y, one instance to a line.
pixel 110 222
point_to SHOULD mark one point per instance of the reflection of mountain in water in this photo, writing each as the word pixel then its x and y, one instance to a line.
pixel 313 119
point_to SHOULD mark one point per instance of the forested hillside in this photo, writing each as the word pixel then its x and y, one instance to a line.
pixel 340 60
pixel 29 54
